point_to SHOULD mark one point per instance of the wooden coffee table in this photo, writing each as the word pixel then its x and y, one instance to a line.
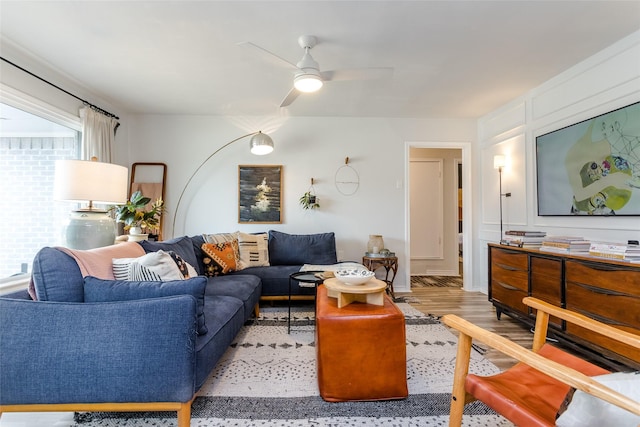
pixel 371 292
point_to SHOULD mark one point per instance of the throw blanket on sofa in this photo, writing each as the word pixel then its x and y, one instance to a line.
pixel 98 262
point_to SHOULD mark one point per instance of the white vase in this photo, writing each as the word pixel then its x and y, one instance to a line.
pixel 135 230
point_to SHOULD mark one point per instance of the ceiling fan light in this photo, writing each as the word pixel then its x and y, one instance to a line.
pixel 261 144
pixel 307 83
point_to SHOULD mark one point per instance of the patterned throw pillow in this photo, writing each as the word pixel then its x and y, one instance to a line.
pixel 219 258
pixel 154 266
pixel 254 250
pixel 222 238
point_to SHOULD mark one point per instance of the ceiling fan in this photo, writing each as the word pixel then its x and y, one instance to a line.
pixel 307 75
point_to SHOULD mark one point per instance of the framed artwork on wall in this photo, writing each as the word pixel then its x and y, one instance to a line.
pixel 591 167
pixel 260 194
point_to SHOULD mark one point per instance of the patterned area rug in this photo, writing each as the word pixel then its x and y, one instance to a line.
pixel 440 281
pixel 268 378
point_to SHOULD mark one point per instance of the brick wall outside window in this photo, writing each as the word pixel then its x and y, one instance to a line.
pixel 29 217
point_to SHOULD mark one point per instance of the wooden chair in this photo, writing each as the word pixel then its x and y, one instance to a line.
pixel 524 394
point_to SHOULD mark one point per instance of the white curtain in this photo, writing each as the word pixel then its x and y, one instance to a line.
pixel 98 135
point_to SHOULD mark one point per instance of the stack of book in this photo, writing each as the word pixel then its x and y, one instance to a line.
pixel 566 245
pixel 620 251
pixel 523 239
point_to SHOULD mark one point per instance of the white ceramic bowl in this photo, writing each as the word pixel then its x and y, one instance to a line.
pixel 354 276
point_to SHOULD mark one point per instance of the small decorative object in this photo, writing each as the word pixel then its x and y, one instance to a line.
pixel 309 200
pixel 385 252
pixel 134 215
pixel 354 276
pixel 375 244
pixel 347 179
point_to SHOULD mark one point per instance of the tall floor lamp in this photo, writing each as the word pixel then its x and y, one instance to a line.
pixel 259 144
pixel 499 162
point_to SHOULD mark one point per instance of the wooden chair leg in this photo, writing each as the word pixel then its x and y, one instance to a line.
pixel 184 414
pixel 459 395
pixel 540 331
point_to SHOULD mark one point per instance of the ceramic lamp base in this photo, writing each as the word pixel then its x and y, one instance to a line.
pixel 88 229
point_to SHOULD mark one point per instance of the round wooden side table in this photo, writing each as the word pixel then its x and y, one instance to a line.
pixel 389 263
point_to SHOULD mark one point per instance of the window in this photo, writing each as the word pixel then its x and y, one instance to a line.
pixel 30 143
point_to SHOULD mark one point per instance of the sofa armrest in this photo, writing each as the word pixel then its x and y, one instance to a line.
pixel 130 351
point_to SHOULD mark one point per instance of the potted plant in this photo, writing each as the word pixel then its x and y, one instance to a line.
pixel 134 216
pixel 309 201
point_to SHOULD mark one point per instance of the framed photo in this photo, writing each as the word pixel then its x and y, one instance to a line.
pixel 592 167
pixel 260 194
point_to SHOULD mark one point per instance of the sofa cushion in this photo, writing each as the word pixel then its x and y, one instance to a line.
pixel 245 287
pixel 196 244
pixel 275 280
pixel 56 277
pixel 298 249
pixel 159 266
pixel 254 250
pixel 180 245
pixel 58 272
pixel 225 316
pixel 586 410
pixel 100 290
pixel 219 258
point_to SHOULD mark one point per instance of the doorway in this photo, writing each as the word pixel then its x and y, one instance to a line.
pixel 456 206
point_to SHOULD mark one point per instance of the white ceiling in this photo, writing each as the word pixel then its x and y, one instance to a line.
pixel 450 58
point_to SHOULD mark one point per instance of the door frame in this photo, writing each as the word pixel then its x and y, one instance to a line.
pixel 467 226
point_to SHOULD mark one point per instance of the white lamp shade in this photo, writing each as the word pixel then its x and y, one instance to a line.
pixel 261 144
pixel 499 161
pixel 83 180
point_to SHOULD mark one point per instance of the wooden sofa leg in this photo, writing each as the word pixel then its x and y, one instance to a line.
pixel 459 395
pixel 184 414
pixel 256 310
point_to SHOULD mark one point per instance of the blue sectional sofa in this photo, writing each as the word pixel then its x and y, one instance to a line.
pixel 99 344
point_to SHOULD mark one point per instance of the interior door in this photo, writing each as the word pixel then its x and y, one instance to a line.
pixel 426 219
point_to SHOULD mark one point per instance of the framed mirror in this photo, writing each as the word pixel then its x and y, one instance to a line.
pixel 150 179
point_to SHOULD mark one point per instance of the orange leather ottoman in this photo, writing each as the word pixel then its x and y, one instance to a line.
pixel 360 349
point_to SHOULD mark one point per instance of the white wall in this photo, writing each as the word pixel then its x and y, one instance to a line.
pixel 307 148
pixel 604 82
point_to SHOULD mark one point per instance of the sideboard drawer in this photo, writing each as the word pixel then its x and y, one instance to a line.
pixel 608 276
pixel 509 260
pixel 614 301
pixel 509 296
pixel 546 283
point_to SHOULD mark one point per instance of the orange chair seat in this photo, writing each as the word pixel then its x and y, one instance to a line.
pixel 524 395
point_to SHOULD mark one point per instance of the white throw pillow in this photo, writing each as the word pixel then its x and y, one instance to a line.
pixel 586 410
pixel 154 266
pixel 254 250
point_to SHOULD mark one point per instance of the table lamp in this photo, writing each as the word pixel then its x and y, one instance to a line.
pixel 90 182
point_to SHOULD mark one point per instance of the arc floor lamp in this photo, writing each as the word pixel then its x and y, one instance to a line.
pixel 259 144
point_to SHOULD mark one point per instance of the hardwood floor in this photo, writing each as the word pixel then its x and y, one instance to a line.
pixel 474 307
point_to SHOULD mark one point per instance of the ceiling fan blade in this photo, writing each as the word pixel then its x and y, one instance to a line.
pixel 272 57
pixel 358 74
pixel 291 96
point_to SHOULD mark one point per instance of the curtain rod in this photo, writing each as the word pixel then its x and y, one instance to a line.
pixel 85 102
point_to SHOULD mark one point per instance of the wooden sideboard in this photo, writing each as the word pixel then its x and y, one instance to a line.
pixel 605 290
